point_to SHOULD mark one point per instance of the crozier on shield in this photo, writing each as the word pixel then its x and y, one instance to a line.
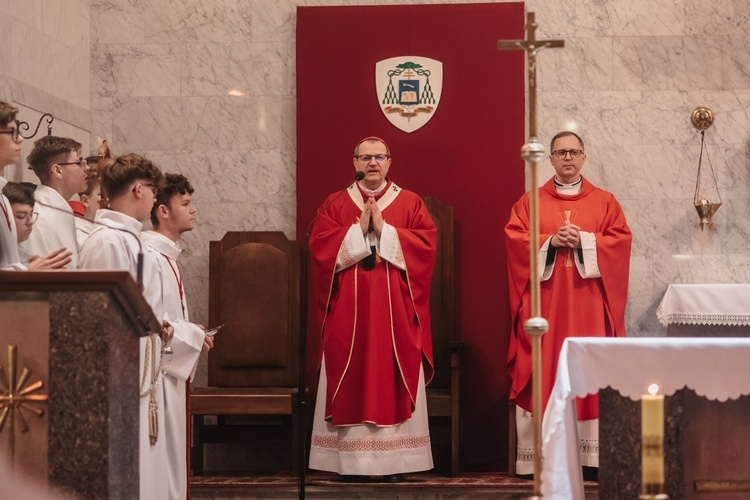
pixel 409 89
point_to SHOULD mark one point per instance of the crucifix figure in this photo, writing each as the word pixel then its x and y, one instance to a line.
pixel 533 152
pixel 532 46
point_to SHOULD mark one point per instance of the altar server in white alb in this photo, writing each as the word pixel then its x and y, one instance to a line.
pixel 87 205
pixel 62 172
pixel 172 215
pixel 132 183
pixel 10 152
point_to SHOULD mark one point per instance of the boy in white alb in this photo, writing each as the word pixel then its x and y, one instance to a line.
pixel 10 152
pixel 132 183
pixel 62 172
pixel 172 215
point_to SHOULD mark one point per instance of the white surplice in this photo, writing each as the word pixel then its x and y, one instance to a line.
pixel 54 228
pixel 114 246
pixel 9 259
pixel 83 229
pixel 186 344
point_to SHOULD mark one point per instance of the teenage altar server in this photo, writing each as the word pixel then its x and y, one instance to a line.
pixel 62 172
pixel 172 215
pixel 132 183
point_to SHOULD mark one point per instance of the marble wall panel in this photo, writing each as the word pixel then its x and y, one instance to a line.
pixel 253 69
pixel 732 116
pixel 132 70
pixel 165 123
pixel 274 22
pixel 668 63
pixel 67 22
pixel 257 122
pixel 6 40
pixel 591 18
pixel 736 62
pixel 101 122
pixel 584 65
pixel 117 21
pixel 49 48
pixel 717 17
pixel 198 20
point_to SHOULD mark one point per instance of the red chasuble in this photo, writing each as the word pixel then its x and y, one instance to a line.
pixel 574 306
pixel 375 324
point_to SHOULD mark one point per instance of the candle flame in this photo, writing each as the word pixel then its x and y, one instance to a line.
pixel 653 389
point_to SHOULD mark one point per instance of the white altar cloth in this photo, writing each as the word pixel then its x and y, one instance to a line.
pixel 716 368
pixel 705 305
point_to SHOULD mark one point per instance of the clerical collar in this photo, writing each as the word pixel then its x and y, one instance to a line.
pixel 569 189
pixel 373 192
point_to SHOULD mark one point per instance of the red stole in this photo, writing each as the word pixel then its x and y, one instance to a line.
pixel 375 324
pixel 574 307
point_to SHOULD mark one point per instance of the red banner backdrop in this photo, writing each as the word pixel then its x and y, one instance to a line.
pixel 466 156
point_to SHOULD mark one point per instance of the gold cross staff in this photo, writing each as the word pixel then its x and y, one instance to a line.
pixel 533 153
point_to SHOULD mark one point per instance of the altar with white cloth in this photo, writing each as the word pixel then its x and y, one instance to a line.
pixel 715 368
pixel 705 310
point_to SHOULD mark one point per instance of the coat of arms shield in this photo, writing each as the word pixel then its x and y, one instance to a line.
pixel 409 89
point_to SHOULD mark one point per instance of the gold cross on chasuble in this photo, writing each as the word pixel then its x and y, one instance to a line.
pixel 568 217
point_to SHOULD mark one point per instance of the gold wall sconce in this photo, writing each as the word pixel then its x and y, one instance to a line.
pixel 702 118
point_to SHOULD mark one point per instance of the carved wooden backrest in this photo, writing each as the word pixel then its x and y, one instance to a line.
pixel 441 295
pixel 254 291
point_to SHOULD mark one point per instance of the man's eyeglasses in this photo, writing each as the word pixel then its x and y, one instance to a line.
pixel 25 217
pixel 562 153
pixel 153 187
pixel 367 158
pixel 14 133
pixel 81 162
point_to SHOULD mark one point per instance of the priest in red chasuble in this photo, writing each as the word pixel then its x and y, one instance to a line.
pixel 585 258
pixel 373 250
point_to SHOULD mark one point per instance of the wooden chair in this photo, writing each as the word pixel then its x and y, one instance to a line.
pixel 443 393
pixel 254 291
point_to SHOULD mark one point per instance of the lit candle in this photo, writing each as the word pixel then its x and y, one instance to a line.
pixel 652 442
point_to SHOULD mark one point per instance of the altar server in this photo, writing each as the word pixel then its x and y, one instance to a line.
pixel 172 215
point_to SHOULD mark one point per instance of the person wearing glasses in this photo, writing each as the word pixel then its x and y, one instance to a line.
pixel 585 259
pixel 132 183
pixel 62 172
pixel 10 152
pixel 373 250
pixel 21 201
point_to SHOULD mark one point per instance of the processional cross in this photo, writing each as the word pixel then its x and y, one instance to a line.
pixel 533 152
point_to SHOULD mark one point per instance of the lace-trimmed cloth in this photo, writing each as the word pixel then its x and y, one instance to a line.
pixel 715 368
pixel 726 305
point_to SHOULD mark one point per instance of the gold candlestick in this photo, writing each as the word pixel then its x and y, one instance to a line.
pixel 652 445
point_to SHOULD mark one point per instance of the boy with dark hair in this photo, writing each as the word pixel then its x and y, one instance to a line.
pixel 172 215
pixel 132 182
pixel 21 200
pixel 57 163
